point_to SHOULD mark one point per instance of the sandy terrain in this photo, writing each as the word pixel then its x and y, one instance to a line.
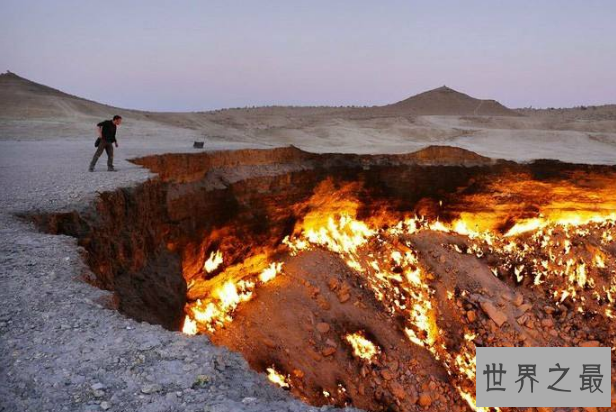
pixel 29 111
pixel 97 359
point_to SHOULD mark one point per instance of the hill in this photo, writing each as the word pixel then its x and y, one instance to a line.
pixel 449 102
pixel 21 98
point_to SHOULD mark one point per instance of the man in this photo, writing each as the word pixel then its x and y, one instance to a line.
pixel 106 140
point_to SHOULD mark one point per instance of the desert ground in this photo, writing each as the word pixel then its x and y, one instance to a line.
pixel 63 344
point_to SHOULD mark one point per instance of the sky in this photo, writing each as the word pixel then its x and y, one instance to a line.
pixel 200 55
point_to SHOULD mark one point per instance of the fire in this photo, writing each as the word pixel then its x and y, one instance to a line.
pixel 190 326
pixel 213 262
pixel 548 249
pixel 276 377
pixel 270 272
pixel 362 347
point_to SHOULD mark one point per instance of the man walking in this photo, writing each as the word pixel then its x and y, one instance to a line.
pixel 106 140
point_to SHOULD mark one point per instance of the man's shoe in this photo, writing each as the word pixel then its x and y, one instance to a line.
pixel 112 169
pixel 91 169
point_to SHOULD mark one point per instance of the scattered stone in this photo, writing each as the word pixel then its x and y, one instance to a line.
pixel 150 388
pixel 471 316
pixel 590 344
pixel 518 299
pixel 269 343
pixel 105 405
pixel 497 315
pixel 323 327
pixel 525 307
pixel 333 283
pixel 201 380
pixel 397 390
pixel 328 351
pixel 97 386
pixel 548 323
pixel 387 374
pixel 425 399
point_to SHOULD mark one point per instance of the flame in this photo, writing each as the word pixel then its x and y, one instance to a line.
pixel 270 272
pixel 544 249
pixel 190 326
pixel 213 262
pixel 276 377
pixel 362 347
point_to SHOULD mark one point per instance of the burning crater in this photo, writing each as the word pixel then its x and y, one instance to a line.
pixel 361 280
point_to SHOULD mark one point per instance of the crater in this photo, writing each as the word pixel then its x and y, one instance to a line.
pixel 354 279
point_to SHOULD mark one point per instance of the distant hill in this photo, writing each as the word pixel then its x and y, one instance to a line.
pixel 446 101
pixel 22 98
pixel 25 99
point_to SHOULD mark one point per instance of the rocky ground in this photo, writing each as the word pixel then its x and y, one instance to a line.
pixel 61 349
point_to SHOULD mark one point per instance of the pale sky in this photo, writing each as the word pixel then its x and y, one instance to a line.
pixel 200 55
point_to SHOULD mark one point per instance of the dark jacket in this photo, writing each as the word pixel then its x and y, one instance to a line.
pixel 109 131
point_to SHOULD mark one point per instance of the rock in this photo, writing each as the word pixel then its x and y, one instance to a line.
pixel 323 327
pixel 149 388
pixel 525 307
pixel 328 351
pixel 548 323
pixel 344 292
pixel 269 343
pixel 518 299
pixel 105 405
pixel 201 380
pixel 425 399
pixel 333 284
pixel 497 315
pixel 387 374
pixel 97 386
pixel 397 390
pixel 471 316
pixel 590 344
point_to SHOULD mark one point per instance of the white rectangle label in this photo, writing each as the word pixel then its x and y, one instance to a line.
pixel 543 377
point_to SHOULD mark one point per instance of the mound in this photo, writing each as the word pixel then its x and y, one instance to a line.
pixel 446 101
pixel 21 98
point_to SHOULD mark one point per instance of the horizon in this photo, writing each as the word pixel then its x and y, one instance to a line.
pixel 203 57
pixel 306 106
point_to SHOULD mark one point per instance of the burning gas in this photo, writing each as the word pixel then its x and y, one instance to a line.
pixel 362 347
pixel 276 377
pixel 557 239
pixel 213 262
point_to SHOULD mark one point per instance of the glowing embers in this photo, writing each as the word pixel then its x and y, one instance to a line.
pixel 277 378
pixel 362 347
pixel 567 260
pixel 213 262
pixel 224 298
pixel 570 258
